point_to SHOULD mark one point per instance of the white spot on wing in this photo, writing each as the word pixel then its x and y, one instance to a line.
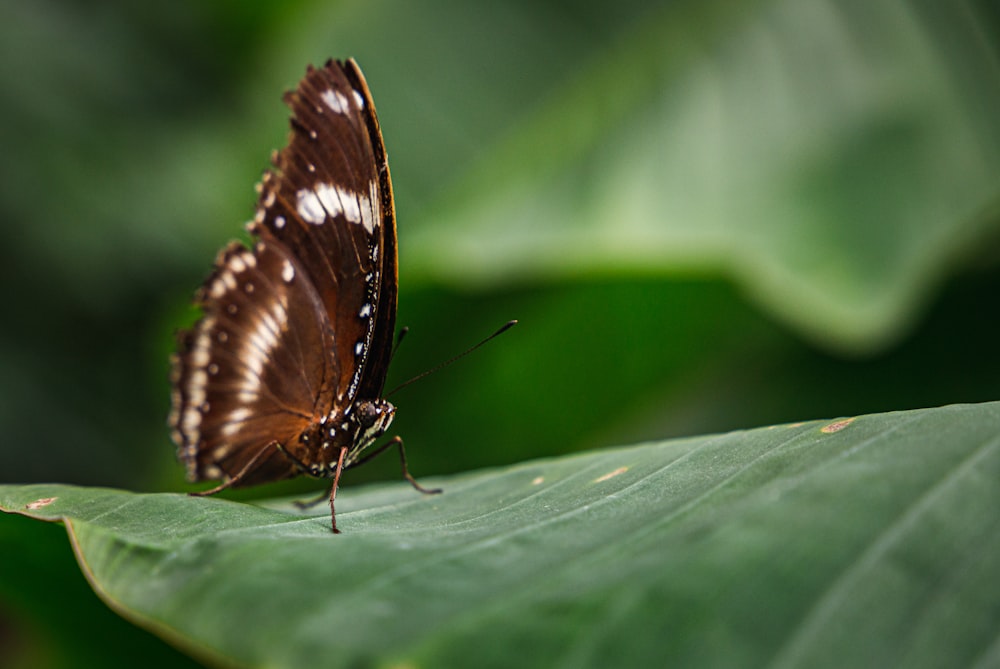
pixel 375 205
pixel 336 101
pixel 366 310
pixel 256 351
pixel 355 207
pixel 352 206
pixel 218 289
pixel 204 340
pixel 330 198
pixel 190 423
pixel 196 386
pixel 359 99
pixel 309 207
pixel 366 214
pixel 199 356
pixel 279 222
pixel 287 272
pixel 247 396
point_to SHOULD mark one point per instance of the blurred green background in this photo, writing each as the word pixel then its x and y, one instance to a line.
pixel 706 215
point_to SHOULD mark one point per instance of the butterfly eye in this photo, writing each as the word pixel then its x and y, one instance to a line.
pixel 368 413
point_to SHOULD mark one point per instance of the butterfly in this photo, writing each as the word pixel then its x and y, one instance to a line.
pixel 284 373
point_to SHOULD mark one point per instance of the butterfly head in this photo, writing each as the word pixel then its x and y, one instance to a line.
pixel 317 448
pixel 373 419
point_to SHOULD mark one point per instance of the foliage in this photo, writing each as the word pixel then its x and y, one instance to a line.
pixel 707 216
pixel 867 541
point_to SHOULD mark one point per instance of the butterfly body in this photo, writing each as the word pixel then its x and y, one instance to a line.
pixel 283 374
pixel 316 450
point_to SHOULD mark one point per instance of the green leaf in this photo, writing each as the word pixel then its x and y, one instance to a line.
pixel 834 159
pixel 49 616
pixel 872 541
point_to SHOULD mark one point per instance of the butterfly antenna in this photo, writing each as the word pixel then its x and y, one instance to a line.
pixel 399 340
pixel 508 325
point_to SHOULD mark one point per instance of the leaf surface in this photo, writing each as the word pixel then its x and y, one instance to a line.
pixel 861 542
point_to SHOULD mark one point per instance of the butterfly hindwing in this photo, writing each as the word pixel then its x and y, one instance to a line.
pixel 246 375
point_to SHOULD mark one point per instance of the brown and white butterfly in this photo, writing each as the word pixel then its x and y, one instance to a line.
pixel 284 373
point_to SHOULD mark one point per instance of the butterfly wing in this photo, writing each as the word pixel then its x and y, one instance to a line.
pixel 247 377
pixel 329 201
pixel 384 323
pixel 313 333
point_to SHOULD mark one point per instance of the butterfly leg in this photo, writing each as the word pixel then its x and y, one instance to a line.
pixel 303 504
pixel 398 442
pixel 240 475
pixel 333 489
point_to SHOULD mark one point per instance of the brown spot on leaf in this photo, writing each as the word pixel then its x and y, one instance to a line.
pixel 611 475
pixel 538 480
pixel 39 503
pixel 836 426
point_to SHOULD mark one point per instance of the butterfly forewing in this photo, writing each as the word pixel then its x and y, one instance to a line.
pixel 329 201
pixel 297 330
pixel 379 353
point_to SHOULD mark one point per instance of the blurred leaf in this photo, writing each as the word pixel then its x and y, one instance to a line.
pixel 50 617
pixel 594 363
pixel 872 541
pixel 834 158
